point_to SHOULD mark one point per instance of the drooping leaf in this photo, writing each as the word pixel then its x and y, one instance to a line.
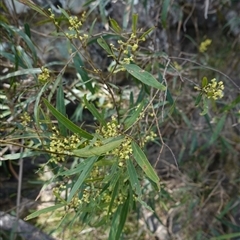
pixel 24 36
pixel 204 82
pixel 118 221
pixel 21 72
pixel 165 7
pixel 60 106
pixel 134 115
pixel 133 177
pixel 147 32
pixel 82 177
pixel 143 162
pixel 143 76
pixel 226 236
pixel 90 151
pixel 67 123
pixel 94 111
pixel 115 26
pixel 45 210
pixel 105 46
pixel 79 66
pixel 198 99
pixel 217 130
pixel 134 23
pixel 205 106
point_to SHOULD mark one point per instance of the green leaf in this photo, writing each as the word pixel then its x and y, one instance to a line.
pixel 35 7
pixel 204 82
pixel 16 156
pixel 232 104
pixel 119 219
pixel 90 151
pixel 82 177
pixel 217 130
pixel 27 30
pixel 115 224
pixel 73 171
pixel 205 107
pixel 198 99
pixel 60 106
pixel 147 32
pixel 37 104
pixel 92 27
pixel 105 46
pixel 67 123
pixel 64 13
pixel 79 66
pixel 25 37
pixel 226 236
pixel 134 23
pixel 94 111
pixel 143 162
pixel 143 76
pixel 114 184
pixel 45 210
pixel 133 178
pixel 134 115
pixel 115 26
pixel 165 7
pixel 123 217
pixel 21 72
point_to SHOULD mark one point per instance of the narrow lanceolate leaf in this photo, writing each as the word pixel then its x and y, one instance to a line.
pixel 144 35
pixel 134 23
pixel 67 123
pixel 204 82
pixel 133 178
pixel 217 130
pixel 82 177
pixel 45 210
pixel 90 151
pixel 118 221
pixel 21 72
pixel 60 106
pixel 94 111
pixel 134 116
pixel 166 4
pixel 105 46
pixel 143 76
pixel 79 66
pixel 115 26
pixel 143 162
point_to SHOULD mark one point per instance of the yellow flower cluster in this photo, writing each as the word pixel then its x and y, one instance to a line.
pixel 44 76
pixel 26 119
pixel 75 25
pixel 203 46
pixel 58 192
pixel 111 129
pixel 52 16
pixel 213 90
pixel 128 48
pixel 152 135
pixel 59 147
pixel 124 151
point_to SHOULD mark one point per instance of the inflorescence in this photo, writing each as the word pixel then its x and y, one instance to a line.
pixel 212 90
pixel 60 147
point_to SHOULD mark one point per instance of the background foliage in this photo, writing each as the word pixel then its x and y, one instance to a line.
pixel 131 137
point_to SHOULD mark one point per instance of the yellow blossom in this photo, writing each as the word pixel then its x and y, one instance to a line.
pixel 212 90
pixel 44 76
pixel 203 46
